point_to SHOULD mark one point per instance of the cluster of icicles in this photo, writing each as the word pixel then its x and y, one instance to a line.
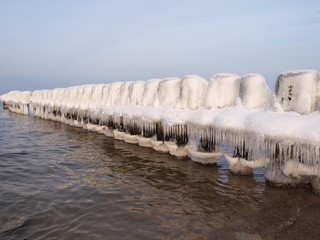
pixel 238 117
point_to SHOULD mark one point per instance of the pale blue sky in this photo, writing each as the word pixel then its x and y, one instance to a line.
pixel 58 43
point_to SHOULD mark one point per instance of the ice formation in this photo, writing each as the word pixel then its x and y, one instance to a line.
pixel 168 92
pixel 193 90
pixel 298 91
pixel 223 90
pixel 239 117
pixel 150 92
pixel 254 92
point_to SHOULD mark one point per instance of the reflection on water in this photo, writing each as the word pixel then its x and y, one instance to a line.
pixel 69 183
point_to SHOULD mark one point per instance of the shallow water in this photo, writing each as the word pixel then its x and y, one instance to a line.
pixel 69 183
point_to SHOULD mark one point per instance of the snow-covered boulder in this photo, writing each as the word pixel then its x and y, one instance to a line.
pixel 223 90
pixel 96 95
pixel 193 90
pixel 136 90
pixel 150 92
pixel 298 91
pixel 168 92
pixel 113 93
pixel 105 95
pixel 124 94
pixel 254 92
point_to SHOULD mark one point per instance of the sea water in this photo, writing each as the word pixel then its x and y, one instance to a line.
pixel 62 182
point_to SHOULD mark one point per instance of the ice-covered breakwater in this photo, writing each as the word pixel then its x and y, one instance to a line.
pixel 238 117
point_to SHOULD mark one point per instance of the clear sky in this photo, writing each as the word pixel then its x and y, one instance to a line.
pixel 58 43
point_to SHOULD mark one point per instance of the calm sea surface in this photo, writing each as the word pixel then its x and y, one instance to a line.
pixel 61 182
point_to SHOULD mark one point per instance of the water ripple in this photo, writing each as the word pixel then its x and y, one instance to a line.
pixel 68 183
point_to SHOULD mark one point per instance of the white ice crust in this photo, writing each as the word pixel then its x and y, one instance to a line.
pixel 136 90
pixel 298 91
pixel 168 92
pixel 193 90
pixel 254 92
pixel 150 92
pixel 228 108
pixel 223 90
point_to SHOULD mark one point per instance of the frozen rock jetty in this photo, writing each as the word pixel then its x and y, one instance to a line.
pixel 238 117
